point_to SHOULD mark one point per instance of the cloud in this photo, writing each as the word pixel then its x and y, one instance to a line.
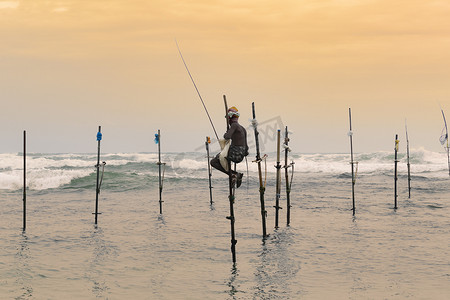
pixel 60 9
pixel 9 4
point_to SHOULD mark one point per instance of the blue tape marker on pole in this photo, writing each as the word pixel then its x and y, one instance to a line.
pixel 99 136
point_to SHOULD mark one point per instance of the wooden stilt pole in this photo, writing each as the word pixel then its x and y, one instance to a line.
pixel 286 173
pixel 226 111
pixel 231 195
pixel 407 162
pixel 395 171
pixel 159 170
pixel 261 184
pixel 444 140
pixel 208 141
pixel 278 186
pixel 97 190
pixel 24 180
pixel 231 217
pixel 352 163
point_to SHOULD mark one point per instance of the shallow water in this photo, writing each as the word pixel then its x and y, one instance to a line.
pixel 135 252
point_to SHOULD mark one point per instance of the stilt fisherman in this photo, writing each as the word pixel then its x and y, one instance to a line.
pixel 237 150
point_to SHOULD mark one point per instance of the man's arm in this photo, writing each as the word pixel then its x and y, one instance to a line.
pixel 230 131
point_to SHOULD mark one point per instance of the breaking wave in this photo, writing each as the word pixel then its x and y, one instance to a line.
pixel 50 171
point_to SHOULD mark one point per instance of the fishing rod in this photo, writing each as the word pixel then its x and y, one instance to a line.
pixel 201 99
pixel 407 162
pixel 262 187
pixel 444 140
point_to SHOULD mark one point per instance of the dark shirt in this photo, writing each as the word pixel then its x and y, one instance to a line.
pixel 236 133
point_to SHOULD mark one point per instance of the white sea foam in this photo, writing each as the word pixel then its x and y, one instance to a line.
pixel 40 179
pixel 46 179
pixel 11 180
pixel 123 158
pixel 46 171
pixel 189 164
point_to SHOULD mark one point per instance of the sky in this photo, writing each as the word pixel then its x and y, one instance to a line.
pixel 68 67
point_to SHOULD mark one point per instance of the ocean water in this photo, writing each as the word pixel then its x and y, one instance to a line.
pixel 136 253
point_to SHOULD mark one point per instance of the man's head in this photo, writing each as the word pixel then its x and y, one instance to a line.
pixel 233 112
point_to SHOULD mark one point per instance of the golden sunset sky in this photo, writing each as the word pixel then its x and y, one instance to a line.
pixel 69 66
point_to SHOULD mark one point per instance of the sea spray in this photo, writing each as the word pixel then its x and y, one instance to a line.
pixel 52 171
